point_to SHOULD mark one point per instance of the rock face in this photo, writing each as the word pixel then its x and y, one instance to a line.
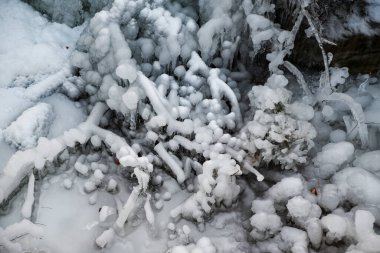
pixel 360 53
pixel 70 12
pixel 353 25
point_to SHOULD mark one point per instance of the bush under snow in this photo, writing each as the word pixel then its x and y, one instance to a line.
pixel 181 151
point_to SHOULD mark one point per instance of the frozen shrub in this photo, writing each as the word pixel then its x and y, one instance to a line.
pixel 275 134
pixel 176 127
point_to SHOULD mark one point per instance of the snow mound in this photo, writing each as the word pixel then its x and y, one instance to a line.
pixel 360 187
pixel 12 104
pixel 68 114
pixel 204 245
pixel 32 124
pixel 33 47
pixel 369 161
pixel 331 158
pixel 335 153
pixel 286 188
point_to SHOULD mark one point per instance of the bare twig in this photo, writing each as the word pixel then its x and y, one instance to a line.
pixel 326 41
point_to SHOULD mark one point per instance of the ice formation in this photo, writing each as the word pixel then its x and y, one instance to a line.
pixel 181 151
pixel 32 124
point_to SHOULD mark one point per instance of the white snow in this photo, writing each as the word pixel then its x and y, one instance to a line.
pixel 332 157
pixel 33 47
pixel 67 114
pixel 158 149
pixel 335 153
pixel 286 188
pixel 32 124
pixel 12 104
pixel 369 161
pixel 298 207
pixel 338 136
pixel 335 225
pixel 359 186
pixel 127 71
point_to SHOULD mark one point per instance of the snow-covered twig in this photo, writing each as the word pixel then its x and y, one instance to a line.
pixel 165 156
pixel 219 88
pixel 329 42
pixel 48 85
pixel 154 97
pixel 22 163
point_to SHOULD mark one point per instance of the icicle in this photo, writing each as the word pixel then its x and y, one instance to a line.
pixel 258 175
pixel 105 238
pixel 127 208
pixel 27 208
pixel 148 210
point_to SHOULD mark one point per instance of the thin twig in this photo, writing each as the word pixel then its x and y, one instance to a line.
pixel 18 237
pixel 301 80
pixel 329 42
pixel 289 47
pixel 320 44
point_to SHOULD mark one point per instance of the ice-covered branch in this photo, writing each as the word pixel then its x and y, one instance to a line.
pixel 22 163
pixel 163 113
pixel 327 83
pixel 293 69
pixel 48 85
pixel 32 124
pixel 357 112
pixel 26 210
pixel 219 89
pixel 165 156
pixel 127 208
pixel 290 43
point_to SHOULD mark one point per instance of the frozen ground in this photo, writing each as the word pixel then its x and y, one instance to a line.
pixel 152 156
pixel 31 49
